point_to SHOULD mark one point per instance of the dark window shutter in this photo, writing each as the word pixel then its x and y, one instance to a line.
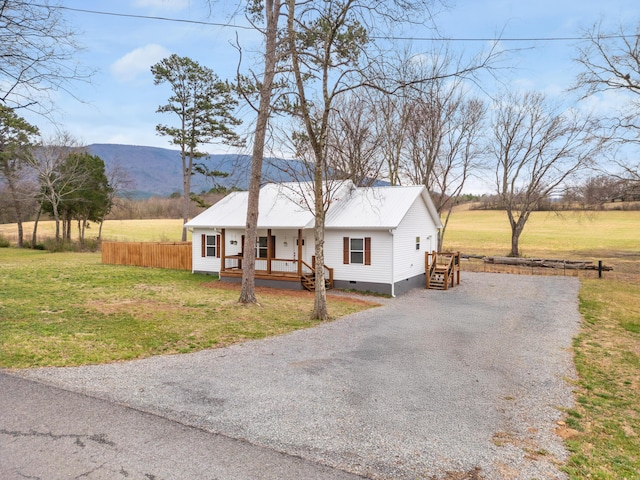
pixel 242 246
pixel 203 247
pixel 367 251
pixel 272 252
pixel 345 250
pixel 217 246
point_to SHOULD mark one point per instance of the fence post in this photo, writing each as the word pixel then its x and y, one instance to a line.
pixel 599 268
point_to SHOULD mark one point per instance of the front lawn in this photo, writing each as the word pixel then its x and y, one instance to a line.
pixel 64 309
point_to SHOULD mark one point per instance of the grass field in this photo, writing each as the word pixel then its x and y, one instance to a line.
pixel 113 230
pixel 85 312
pixel 60 309
pixel 610 236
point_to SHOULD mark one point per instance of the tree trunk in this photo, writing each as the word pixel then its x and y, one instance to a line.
pixel 320 311
pixel 34 236
pixel 186 188
pixel 17 207
pixel 247 294
pixel 516 231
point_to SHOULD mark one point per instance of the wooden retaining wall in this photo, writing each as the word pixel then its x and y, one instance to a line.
pixel 173 255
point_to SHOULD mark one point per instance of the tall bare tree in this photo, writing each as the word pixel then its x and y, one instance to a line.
pixel 536 147
pixel 332 51
pixel 353 142
pixel 610 62
pixel 442 138
pixel 265 90
pixel 37 54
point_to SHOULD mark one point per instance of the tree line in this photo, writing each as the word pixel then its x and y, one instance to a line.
pixel 58 178
pixel 332 89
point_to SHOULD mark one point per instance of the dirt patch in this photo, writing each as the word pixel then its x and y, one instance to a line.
pixel 565 432
pixel 289 293
pixel 141 309
pixel 474 474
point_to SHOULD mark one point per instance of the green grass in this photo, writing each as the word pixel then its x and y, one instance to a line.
pixel 68 309
pixel 607 357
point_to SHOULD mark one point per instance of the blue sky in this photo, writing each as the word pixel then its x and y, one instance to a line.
pixel 119 104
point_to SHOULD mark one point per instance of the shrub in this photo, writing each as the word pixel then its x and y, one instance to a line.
pixel 4 243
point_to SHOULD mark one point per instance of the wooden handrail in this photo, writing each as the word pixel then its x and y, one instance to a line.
pixel 450 267
pixel 270 261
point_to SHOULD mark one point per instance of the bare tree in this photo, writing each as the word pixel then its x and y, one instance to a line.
pixel 392 122
pixel 536 148
pixel 54 184
pixel 353 143
pixel 431 132
pixel 610 62
pixel 264 109
pixel 332 52
pixel 446 151
pixel 594 192
pixel 37 54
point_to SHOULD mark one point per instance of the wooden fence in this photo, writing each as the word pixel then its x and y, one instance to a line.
pixel 174 255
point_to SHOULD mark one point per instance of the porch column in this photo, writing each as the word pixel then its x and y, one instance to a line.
pixel 269 247
pixel 300 252
pixel 222 254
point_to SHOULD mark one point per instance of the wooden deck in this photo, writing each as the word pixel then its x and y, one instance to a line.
pixel 277 270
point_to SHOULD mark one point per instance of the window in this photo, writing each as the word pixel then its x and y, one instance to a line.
pixel 417 243
pixel 261 247
pixel 357 250
pixel 210 245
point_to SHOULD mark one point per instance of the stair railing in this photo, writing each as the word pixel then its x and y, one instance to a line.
pixel 328 272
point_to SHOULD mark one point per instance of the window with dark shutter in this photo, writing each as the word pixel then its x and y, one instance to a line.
pixel 356 251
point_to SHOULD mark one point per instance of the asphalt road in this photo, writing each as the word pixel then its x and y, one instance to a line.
pixel 467 383
pixel 48 433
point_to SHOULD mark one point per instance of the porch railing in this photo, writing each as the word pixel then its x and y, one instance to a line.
pixel 276 266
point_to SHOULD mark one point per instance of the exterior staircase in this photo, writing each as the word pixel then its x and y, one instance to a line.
pixel 443 270
pixel 308 281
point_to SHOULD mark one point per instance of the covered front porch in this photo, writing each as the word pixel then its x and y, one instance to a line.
pixel 294 273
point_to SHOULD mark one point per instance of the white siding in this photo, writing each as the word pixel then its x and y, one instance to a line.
pixel 409 262
pixel 380 269
pixel 200 263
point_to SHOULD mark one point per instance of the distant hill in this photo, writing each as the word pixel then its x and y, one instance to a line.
pixel 157 171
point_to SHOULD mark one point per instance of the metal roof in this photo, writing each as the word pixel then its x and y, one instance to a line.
pixel 286 205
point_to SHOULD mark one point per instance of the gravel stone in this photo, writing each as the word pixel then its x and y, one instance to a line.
pixel 433 384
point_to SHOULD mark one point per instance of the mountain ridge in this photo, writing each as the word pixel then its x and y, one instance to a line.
pixel 156 171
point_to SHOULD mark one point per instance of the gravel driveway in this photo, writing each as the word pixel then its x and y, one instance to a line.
pixel 466 383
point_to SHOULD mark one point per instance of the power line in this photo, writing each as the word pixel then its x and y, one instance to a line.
pixel 148 17
pixel 415 39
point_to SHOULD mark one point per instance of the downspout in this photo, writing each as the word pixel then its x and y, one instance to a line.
pixel 393 283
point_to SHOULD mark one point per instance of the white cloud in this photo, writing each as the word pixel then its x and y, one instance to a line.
pixel 172 5
pixel 137 62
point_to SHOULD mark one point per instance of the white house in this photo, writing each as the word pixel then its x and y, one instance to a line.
pixel 375 238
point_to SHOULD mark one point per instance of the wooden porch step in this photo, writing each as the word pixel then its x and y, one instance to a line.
pixel 309 283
